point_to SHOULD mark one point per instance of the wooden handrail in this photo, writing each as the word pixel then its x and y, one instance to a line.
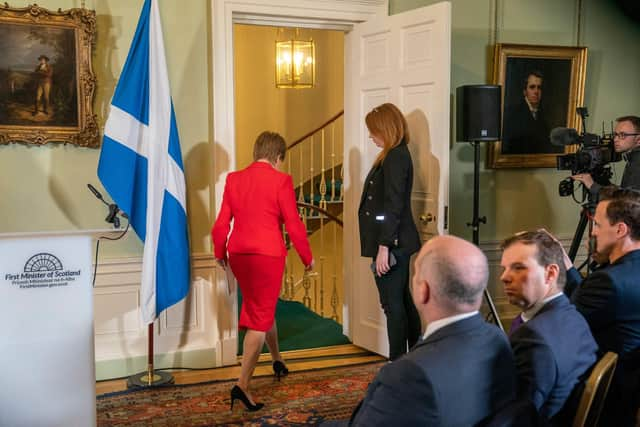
pixel 328 122
pixel 322 211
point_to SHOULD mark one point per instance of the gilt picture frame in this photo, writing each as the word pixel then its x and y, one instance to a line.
pixel 47 83
pixel 542 87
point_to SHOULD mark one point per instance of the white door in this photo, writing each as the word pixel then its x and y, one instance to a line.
pixel 403 59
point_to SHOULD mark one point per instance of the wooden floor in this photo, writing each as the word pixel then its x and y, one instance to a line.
pixel 299 360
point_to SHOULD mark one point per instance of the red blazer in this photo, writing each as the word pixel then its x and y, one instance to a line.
pixel 259 199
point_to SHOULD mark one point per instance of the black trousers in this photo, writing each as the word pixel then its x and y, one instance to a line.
pixel 403 322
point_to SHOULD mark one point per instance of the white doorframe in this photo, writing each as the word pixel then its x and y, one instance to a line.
pixel 315 13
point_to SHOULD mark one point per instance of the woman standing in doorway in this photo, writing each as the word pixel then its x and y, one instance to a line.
pixel 388 234
pixel 259 199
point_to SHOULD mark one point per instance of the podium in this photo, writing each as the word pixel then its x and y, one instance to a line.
pixel 47 375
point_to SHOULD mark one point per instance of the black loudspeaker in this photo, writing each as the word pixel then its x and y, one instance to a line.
pixel 478 113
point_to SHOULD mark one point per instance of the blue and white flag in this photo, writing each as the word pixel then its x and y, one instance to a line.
pixel 141 166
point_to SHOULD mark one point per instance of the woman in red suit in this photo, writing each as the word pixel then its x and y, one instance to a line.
pixel 259 199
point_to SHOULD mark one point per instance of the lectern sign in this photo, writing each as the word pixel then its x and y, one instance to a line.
pixel 43 270
pixel 46 316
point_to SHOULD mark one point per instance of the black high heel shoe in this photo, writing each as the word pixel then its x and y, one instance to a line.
pixel 237 393
pixel 280 369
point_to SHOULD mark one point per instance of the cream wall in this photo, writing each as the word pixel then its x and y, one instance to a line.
pixel 517 199
pixel 44 188
pixel 291 112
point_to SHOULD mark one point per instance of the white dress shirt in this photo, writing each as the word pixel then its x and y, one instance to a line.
pixel 441 323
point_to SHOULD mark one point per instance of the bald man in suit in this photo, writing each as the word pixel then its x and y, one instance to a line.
pixel 462 370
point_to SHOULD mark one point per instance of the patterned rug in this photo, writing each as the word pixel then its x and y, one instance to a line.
pixel 302 398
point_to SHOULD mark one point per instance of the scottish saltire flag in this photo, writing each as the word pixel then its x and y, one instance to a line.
pixel 141 166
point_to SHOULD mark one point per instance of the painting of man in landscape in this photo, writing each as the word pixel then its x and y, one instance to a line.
pixel 38 82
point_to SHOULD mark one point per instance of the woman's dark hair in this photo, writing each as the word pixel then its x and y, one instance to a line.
pixel 270 146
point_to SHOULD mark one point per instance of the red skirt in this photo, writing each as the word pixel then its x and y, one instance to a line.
pixel 260 279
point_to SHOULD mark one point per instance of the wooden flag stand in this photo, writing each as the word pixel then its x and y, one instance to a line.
pixel 149 378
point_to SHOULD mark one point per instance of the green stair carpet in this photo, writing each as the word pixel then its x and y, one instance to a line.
pixel 300 328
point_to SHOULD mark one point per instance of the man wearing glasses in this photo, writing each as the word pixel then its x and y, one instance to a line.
pixel 626 140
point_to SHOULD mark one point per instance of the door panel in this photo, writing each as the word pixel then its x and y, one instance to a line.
pixel 404 59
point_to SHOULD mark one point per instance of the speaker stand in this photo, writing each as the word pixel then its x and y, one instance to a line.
pixel 477 220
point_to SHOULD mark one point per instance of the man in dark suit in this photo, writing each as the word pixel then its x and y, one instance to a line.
pixel 551 341
pixel 525 127
pixel 609 298
pixel 462 370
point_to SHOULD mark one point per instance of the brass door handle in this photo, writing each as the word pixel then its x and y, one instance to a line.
pixel 427 218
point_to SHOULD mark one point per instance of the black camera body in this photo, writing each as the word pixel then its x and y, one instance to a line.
pixel 593 156
pixel 595 152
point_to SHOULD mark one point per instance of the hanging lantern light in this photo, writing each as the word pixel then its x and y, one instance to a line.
pixel 295 64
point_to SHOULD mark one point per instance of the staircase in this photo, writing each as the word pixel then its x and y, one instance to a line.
pixel 315 163
pixel 321 203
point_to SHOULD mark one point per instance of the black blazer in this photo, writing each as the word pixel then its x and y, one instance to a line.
pixel 384 214
pixel 458 376
pixel 609 298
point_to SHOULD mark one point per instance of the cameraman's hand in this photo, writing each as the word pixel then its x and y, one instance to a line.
pixel 584 178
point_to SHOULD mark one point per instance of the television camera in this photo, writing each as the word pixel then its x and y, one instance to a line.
pixel 593 155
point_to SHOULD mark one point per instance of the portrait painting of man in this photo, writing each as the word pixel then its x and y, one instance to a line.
pixel 38 84
pixel 536 101
pixel 541 88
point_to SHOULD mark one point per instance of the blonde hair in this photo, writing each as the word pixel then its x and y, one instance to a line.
pixel 270 146
pixel 387 123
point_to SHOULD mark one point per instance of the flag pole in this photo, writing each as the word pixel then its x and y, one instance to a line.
pixel 150 378
pixel 150 355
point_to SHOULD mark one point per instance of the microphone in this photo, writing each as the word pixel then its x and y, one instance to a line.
pixel 564 136
pixel 97 194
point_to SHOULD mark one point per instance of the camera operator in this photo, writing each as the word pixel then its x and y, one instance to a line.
pixel 626 140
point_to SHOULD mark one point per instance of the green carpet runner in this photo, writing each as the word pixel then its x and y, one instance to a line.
pixel 300 328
